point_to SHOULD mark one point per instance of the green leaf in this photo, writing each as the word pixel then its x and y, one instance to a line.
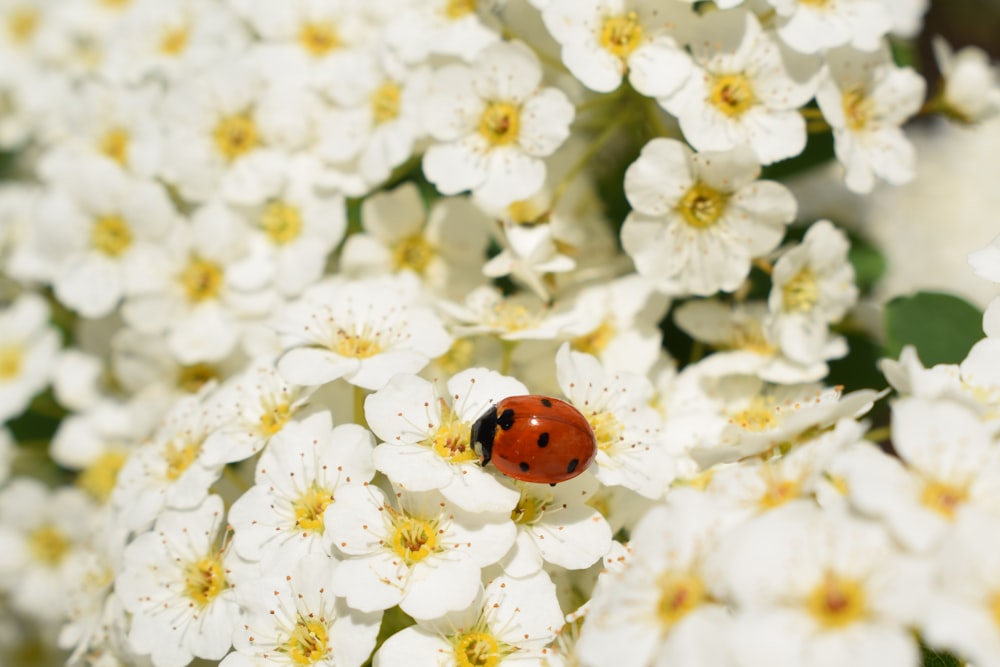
pixel 933 659
pixel 942 327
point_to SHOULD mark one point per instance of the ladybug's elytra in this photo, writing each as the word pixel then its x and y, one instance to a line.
pixel 535 439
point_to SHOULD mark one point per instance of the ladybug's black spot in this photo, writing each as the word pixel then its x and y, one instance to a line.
pixel 572 465
pixel 543 440
pixel 524 466
pixel 506 419
pixel 546 402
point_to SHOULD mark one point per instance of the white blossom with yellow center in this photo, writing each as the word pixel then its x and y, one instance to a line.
pixel 812 287
pixel 743 92
pixel 631 448
pixel 282 515
pixel 698 220
pixel 866 99
pixel 363 331
pixel 175 582
pixel 817 25
pixel 426 554
pixel 513 617
pixel 425 430
pixel 826 583
pixel 603 40
pixel 294 619
pixel 451 28
pixel 493 123
pixel 28 347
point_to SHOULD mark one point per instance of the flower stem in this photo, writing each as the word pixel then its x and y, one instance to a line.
pixel 508 347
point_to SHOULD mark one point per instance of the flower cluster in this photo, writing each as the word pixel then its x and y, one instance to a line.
pixel 266 264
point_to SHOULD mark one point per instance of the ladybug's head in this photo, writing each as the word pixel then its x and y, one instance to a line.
pixel 483 431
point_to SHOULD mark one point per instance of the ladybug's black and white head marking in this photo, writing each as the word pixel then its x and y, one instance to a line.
pixel 484 430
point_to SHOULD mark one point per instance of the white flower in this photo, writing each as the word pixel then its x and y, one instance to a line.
pixel 812 287
pixel 514 620
pixel 441 27
pixel 227 135
pixel 698 219
pixel 378 131
pixel 426 429
pixel 364 331
pixel 426 555
pixel 297 478
pixel 971 83
pixel 174 582
pixel 811 28
pixel 662 608
pixel 101 228
pixel 631 451
pixel 618 322
pixel 293 618
pixel 251 408
pixel 744 345
pixel 602 39
pixel 556 524
pixel 947 462
pixel 211 283
pixel 493 123
pixel 486 310
pixel 167 471
pixel 445 246
pixel 907 16
pixel 28 348
pixel 866 99
pixel 745 93
pixel 961 615
pixel 530 252
pixel 42 532
pixel 819 588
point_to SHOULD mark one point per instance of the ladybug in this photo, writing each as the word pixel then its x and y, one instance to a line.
pixel 535 439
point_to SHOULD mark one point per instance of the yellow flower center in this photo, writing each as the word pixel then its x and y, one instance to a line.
pixel 319 39
pixel 179 457
pixel 192 378
pixel 526 211
pixel 500 123
pixel 857 109
pixel 756 417
pixel 282 222
pixel 11 360
pixel 413 539
pixel 114 144
pixel 48 545
pixel 680 593
pixel 111 235
pixel 620 35
pixel 451 440
pixel 529 510
pixel 702 206
pixel 22 24
pixel 385 102
pixel 204 580
pixel 732 94
pixel 837 601
pixel 273 419
pixel 98 479
pixel 749 335
pixel 201 280
pixel 309 508
pixel 308 643
pixel 414 253
pixel 995 608
pixel 477 649
pixel 510 317
pixel 801 292
pixel 607 429
pixel 235 136
pixel 456 9
pixel 778 492
pixel 357 345
pixel 174 41
pixel 944 498
pixel 597 340
pixel 116 4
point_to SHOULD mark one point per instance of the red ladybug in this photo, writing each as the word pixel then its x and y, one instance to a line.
pixel 535 439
